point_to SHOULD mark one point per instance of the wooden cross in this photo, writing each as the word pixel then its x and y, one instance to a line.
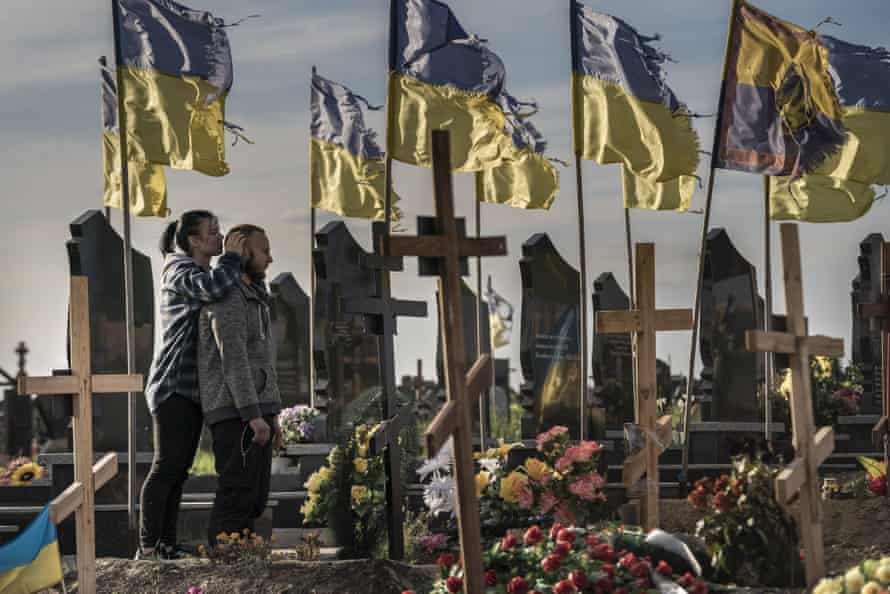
pixel 644 322
pixel 462 388
pixel 380 312
pixel 22 351
pixel 811 447
pixel 880 314
pixel 79 497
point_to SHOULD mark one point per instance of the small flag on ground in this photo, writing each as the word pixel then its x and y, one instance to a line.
pixel 31 562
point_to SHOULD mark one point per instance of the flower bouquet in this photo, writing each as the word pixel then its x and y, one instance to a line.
pixel 564 561
pixel 297 424
pixel 876 480
pixel 20 472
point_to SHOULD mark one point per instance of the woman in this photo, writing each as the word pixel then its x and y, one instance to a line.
pixel 187 283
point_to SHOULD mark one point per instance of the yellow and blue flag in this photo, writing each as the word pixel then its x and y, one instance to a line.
pixel 780 113
pixel 840 189
pixel 176 68
pixel 346 165
pixel 148 186
pixel 31 562
pixel 500 317
pixel 442 77
pixel 624 112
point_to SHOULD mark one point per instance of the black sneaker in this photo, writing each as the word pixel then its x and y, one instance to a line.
pixel 174 553
pixel 152 554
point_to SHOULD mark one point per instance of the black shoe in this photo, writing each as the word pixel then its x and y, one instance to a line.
pixel 174 553
pixel 144 554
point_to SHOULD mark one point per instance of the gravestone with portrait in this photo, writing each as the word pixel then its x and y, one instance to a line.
pixel 866 334
pixel 549 353
pixel 291 313
pixel 347 374
pixel 612 356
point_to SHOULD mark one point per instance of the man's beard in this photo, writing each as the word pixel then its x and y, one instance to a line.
pixel 255 276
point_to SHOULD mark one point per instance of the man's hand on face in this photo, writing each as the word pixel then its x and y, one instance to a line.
pixel 236 242
pixel 261 431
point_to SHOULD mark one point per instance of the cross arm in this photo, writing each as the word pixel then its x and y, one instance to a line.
pixel 445 423
pixel 672 320
pixel 70 384
pixel 618 321
pixel 435 246
pixel 874 310
pixel 71 498
pixel 374 306
pixel 110 383
pixel 792 477
pixel 784 343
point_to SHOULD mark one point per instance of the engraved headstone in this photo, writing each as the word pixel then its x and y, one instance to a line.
pixel 346 355
pixel 612 356
pixel 551 365
pixel 730 307
pixel 96 251
pixel 866 334
pixel 290 323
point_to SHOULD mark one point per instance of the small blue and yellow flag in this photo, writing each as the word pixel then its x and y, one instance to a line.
pixel 148 186
pixel 840 189
pixel 346 165
pixel 31 562
pixel 780 113
pixel 500 317
pixel 177 71
pixel 624 112
pixel 443 78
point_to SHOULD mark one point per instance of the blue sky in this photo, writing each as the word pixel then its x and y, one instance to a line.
pixel 50 155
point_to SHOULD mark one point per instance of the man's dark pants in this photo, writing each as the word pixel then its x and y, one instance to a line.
pixel 177 429
pixel 244 470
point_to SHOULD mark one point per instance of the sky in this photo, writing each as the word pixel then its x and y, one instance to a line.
pixel 51 155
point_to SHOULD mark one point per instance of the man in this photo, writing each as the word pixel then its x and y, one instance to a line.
pixel 239 390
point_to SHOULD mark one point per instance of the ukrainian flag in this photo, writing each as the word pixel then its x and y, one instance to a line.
pixel 841 188
pixel 148 186
pixel 346 165
pixel 31 562
pixel 780 113
pixel 441 77
pixel 624 112
pixel 177 70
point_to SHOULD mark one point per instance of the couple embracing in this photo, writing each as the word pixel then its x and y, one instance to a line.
pixel 216 365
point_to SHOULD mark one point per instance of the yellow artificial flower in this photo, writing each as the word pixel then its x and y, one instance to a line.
pixel 785 386
pixel 362 449
pixel 536 469
pixel 361 465
pixel 314 482
pixel 326 473
pixel 824 367
pixel 25 473
pixel 482 480
pixel 510 486
pixel 505 448
pixel 359 494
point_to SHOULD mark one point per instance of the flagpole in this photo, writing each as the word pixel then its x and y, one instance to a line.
pixel 128 282
pixel 483 399
pixel 630 261
pixel 768 314
pixel 312 227
pixel 706 220
pixel 582 245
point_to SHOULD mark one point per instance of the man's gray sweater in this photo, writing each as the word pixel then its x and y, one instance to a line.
pixel 236 357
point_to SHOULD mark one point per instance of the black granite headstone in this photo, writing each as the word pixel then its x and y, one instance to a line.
pixel 290 322
pixel 866 334
pixel 18 423
pixel 612 356
pixel 551 365
pixel 730 307
pixel 96 251
pixel 346 355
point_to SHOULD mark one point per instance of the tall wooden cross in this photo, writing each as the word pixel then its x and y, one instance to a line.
pixel 644 322
pixel 880 314
pixel 79 497
pixel 811 447
pixel 380 312
pixel 463 388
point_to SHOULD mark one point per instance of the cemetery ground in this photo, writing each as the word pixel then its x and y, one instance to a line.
pixel 854 530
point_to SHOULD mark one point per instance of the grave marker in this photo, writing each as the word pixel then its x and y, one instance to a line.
pixel 79 498
pixel 291 316
pixel 462 387
pixel 811 447
pixel 644 322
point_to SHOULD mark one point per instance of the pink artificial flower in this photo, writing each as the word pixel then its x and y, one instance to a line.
pixel 550 435
pixel 564 464
pixel 526 497
pixel 587 487
pixel 564 515
pixel 548 502
pixel 578 454
pixel 433 542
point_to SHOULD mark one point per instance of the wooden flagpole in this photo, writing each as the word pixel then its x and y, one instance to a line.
pixel 312 225
pixel 582 244
pixel 769 359
pixel 706 221
pixel 128 282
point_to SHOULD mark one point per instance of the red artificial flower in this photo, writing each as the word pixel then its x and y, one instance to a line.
pixel 579 579
pixel 565 535
pixel 608 569
pixel 604 585
pixel 517 586
pixel 446 560
pixel 878 484
pixel 686 580
pixel 605 552
pixel 550 563
pixel 721 483
pixel 627 560
pixel 454 584
pixel 564 587
pixel 592 540
pixel 643 583
pixel 407 591
pixel 533 535
pixel 721 502
pixel 491 578
pixel 562 549
pixel 554 530
pixel 664 569
pixel 640 569
pixel 508 542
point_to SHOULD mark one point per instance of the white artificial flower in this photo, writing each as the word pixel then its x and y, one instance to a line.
pixel 854 580
pixel 439 464
pixel 491 465
pixel 439 496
